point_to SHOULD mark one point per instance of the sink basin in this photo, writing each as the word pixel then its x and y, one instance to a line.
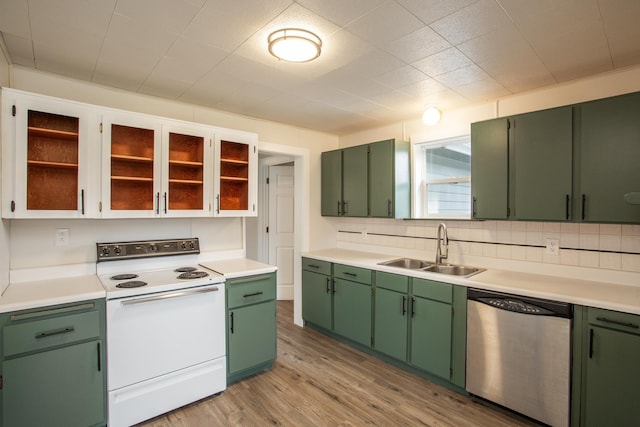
pixel 408 263
pixel 453 270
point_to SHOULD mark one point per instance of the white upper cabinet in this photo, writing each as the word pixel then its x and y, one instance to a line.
pixel 236 173
pixel 50 149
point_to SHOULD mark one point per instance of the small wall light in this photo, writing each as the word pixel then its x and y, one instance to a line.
pixel 431 116
pixel 294 45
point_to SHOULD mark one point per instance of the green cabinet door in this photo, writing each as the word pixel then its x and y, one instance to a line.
pixel 431 336
pixel 542 147
pixel 352 311
pixel 316 299
pixel 389 179
pixel 489 168
pixel 63 387
pixel 390 322
pixel 252 336
pixel 354 182
pixel 609 153
pixel 331 183
pixel 613 371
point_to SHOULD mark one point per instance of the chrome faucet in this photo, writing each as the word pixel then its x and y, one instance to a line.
pixel 442 250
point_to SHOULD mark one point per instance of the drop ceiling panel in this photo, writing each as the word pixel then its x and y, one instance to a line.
pixel 21 50
pixel 171 16
pixel 442 62
pixel 340 12
pixel 417 45
pixel 430 11
pixel 623 32
pixel 384 24
pixel 14 18
pixel 89 17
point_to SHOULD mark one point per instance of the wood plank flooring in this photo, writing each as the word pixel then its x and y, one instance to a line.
pixel 317 381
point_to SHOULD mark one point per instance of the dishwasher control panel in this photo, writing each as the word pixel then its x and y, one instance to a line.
pixel 515 305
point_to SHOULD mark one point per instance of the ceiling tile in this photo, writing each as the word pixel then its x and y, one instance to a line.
pixel 482 90
pixel 14 18
pixel 148 37
pixel 620 20
pixel 401 77
pixel 385 24
pixel 432 10
pixel 20 50
pixel 462 76
pixel 472 21
pixel 341 12
pixel 172 16
pixel 417 45
pixel 442 62
pixel 188 61
pixel 164 86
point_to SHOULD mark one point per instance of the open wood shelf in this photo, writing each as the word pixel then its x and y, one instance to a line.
pixel 131 158
pixel 186 164
pixel 53 133
pixel 52 164
pixel 239 162
pixel 131 178
pixel 185 181
pixel 234 178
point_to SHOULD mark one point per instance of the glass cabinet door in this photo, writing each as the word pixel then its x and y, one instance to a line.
pixel 131 167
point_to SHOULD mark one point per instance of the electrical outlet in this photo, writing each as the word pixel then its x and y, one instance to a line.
pixel 552 247
pixel 61 237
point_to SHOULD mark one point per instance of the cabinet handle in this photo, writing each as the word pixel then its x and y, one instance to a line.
pixel 345 207
pixel 590 343
pixel 99 359
pixel 217 203
pixel 165 202
pixel 313 266
pixel 389 208
pixel 253 294
pixel 333 287
pixel 474 210
pixel 158 203
pixel 413 307
pixel 231 315
pixel 346 273
pixel 584 202
pixel 82 201
pixel 404 305
pixel 328 284
pixel 617 322
pixel 339 210
pixel 60 331
pixel 567 207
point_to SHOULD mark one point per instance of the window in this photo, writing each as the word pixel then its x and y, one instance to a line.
pixel 442 177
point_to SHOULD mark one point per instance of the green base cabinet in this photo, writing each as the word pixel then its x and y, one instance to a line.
pixel 251 325
pixel 611 369
pixel 391 320
pixel 53 366
pixel 352 311
pixel 317 297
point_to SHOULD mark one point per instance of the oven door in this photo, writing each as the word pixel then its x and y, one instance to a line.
pixel 155 334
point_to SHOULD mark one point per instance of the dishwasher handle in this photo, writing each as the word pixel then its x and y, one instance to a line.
pixel 521 304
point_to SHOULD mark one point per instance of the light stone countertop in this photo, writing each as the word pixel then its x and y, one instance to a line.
pixel 42 293
pixel 239 267
pixel 625 298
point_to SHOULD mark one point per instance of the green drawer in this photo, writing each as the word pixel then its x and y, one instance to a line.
pixel 355 274
pixel 392 282
pixel 614 320
pixel 433 290
pixel 251 290
pixel 42 334
pixel 322 267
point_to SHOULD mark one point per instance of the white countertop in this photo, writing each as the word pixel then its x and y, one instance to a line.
pixel 42 293
pixel 617 297
pixel 238 267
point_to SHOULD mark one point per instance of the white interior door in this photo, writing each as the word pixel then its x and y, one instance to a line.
pixel 281 230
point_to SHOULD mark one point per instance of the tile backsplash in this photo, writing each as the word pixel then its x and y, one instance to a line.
pixel 603 246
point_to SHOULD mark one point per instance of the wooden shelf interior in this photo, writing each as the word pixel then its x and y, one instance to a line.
pixel 52 161
pixel 234 176
pixel 186 172
pixel 132 158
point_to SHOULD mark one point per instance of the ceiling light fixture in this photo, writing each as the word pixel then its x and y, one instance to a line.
pixel 294 45
pixel 431 116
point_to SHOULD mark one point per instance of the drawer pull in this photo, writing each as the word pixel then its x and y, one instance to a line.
pixel 404 305
pixel 99 359
pixel 617 322
pixel 253 294
pixel 60 331
pixel 313 266
pixel 231 319
pixel 346 273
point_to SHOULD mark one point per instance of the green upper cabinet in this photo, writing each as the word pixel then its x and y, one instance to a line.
pixel 541 153
pixel 489 168
pixel 354 181
pixel 389 179
pixel 371 180
pixel 331 183
pixel 609 159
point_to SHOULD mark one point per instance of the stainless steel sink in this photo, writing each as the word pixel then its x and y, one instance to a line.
pixel 408 263
pixel 453 270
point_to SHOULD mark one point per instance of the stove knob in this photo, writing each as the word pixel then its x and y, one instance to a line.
pixel 193 245
pixel 116 250
pixel 106 251
pixel 153 248
pixel 184 245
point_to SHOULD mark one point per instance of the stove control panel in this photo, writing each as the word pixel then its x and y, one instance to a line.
pixel 146 249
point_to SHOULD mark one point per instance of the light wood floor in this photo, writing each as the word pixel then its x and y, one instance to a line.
pixel 317 381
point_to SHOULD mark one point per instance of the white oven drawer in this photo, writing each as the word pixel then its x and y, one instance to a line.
pixel 151 335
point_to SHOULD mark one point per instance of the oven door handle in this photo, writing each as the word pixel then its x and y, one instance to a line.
pixel 171 295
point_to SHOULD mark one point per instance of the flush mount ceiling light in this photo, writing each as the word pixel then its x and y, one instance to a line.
pixel 431 116
pixel 294 45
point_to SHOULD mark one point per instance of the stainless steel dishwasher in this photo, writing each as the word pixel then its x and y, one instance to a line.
pixel 519 354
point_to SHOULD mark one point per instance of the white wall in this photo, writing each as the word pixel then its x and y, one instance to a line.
pixel 4 224
pixel 590 250
pixel 32 240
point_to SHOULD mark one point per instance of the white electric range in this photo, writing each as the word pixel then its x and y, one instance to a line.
pixel 165 327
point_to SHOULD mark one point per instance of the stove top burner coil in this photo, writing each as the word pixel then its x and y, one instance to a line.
pixel 125 276
pixel 193 275
pixel 185 269
pixel 131 284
